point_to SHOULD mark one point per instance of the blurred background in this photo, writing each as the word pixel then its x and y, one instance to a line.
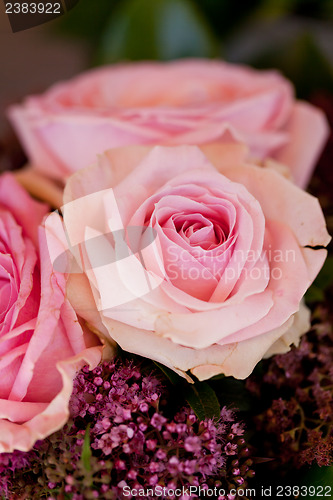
pixel 295 36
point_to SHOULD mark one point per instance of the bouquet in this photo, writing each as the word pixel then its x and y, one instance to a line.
pixel 156 337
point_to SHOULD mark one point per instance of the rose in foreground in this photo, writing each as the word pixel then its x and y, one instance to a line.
pixel 209 272
pixel 183 102
pixel 41 341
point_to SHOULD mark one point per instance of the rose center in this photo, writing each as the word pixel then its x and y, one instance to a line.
pixel 198 231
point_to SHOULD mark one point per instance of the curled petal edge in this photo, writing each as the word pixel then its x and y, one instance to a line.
pixel 23 436
pixel 253 350
pixel 236 359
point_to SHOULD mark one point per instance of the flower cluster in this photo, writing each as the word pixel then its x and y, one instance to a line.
pixel 300 413
pixel 130 441
pixel 11 464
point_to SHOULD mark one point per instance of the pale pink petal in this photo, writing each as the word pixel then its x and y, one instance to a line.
pixel 290 205
pixel 109 169
pixel 301 324
pixel 75 141
pixel 260 144
pixel 186 329
pixel 82 300
pixel 262 111
pixel 308 131
pixel 157 168
pixel 289 280
pixel 58 145
pixel 225 155
pixel 237 359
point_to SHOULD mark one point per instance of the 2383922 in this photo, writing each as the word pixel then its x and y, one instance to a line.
pixel 33 8
pixel 301 491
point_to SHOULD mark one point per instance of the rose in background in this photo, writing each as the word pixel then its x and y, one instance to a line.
pixel 220 284
pixel 41 341
pixel 181 102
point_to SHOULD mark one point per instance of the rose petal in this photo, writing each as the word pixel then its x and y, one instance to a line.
pixel 15 436
pixel 308 129
pixel 236 359
pixel 27 212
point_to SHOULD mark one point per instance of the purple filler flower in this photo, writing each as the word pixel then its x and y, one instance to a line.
pixel 132 442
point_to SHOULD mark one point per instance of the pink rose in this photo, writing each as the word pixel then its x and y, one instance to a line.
pixel 182 102
pixel 196 260
pixel 41 341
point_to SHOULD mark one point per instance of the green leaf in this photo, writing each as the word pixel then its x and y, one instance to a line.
pixel 318 477
pixel 325 277
pixel 203 400
pixel 303 62
pixel 232 392
pixel 275 8
pixel 225 16
pixel 323 281
pixel 86 450
pixel 314 294
pixel 86 21
pixel 221 376
pixel 170 374
pixel 158 29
